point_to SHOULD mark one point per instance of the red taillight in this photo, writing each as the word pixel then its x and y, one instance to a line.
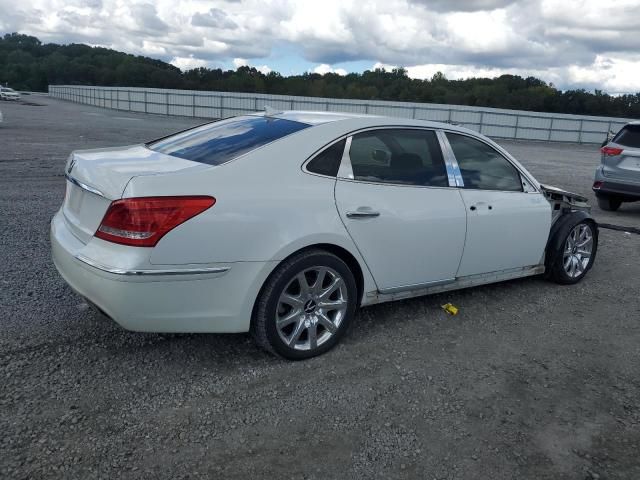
pixel 611 151
pixel 143 221
pixel 597 185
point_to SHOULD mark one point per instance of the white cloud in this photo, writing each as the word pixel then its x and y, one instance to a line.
pixel 187 63
pixel 383 66
pixel 574 43
pixel 240 62
pixel 243 62
pixel 264 69
pixel 325 68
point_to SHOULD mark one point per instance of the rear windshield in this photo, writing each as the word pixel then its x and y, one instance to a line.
pixel 629 136
pixel 219 142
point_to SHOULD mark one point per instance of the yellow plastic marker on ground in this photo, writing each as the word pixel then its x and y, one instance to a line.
pixel 450 309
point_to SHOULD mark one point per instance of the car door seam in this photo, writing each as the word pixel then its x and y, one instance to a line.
pixel 364 260
pixel 466 230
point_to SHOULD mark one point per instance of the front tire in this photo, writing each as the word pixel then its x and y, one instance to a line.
pixel 577 254
pixel 305 306
pixel 608 203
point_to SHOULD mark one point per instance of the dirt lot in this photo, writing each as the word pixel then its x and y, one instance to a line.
pixel 530 380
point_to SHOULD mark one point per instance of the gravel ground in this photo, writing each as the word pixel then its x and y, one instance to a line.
pixel 530 380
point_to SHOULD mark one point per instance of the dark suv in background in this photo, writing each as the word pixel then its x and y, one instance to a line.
pixel 617 177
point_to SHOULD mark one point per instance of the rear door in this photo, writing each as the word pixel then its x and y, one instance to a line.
pixel 624 166
pixel 506 226
pixel 394 197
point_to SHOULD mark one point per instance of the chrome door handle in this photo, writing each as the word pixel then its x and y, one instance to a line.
pixel 363 214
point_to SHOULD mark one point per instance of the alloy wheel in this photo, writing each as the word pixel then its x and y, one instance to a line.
pixel 311 308
pixel 577 250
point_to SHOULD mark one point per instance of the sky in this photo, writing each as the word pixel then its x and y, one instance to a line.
pixel 588 44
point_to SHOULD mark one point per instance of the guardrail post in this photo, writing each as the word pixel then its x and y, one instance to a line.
pixel 550 129
pixel 580 131
pixel 193 104
pixel 129 99
pixel 515 134
pixel 145 101
pixel 222 106
pixel 481 120
pixel 255 103
pixel 166 99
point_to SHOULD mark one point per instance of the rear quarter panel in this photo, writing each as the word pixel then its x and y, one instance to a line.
pixel 266 206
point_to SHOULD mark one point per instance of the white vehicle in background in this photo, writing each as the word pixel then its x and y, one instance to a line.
pixel 7 93
pixel 284 223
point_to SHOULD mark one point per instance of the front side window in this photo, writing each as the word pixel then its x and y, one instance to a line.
pixel 398 156
pixel 482 167
pixel 217 143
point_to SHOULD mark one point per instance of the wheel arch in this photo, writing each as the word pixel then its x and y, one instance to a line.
pixel 342 253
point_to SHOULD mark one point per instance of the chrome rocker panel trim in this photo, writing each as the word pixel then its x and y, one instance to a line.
pixel 388 295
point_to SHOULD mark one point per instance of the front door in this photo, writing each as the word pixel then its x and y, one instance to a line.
pixel 506 226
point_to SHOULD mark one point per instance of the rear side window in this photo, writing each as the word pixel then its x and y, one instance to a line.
pixel 327 162
pixel 399 156
pixel 629 136
pixel 482 167
pixel 217 143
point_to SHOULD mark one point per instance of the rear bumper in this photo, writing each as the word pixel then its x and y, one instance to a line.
pixel 627 190
pixel 212 298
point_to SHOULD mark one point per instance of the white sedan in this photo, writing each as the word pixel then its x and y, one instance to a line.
pixel 284 223
pixel 7 93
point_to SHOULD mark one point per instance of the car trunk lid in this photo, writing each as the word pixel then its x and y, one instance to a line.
pixel 97 177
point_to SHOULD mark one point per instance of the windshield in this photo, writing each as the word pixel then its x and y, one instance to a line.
pixel 217 143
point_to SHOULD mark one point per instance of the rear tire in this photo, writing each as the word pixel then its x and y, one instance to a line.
pixel 576 254
pixel 305 306
pixel 608 203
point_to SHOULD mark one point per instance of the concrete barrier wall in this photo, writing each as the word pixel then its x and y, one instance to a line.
pixel 493 122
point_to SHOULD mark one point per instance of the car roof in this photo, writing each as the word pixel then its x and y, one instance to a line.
pixel 311 117
pixel 360 120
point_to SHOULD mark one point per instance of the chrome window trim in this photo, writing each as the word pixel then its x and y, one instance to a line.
pixel 346 170
pixel 503 153
pixel 139 272
pixel 346 173
pixel 84 186
pixel 453 169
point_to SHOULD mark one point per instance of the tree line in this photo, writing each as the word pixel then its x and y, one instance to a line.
pixel 28 64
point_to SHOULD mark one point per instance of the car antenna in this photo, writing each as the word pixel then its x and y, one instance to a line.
pixel 271 112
